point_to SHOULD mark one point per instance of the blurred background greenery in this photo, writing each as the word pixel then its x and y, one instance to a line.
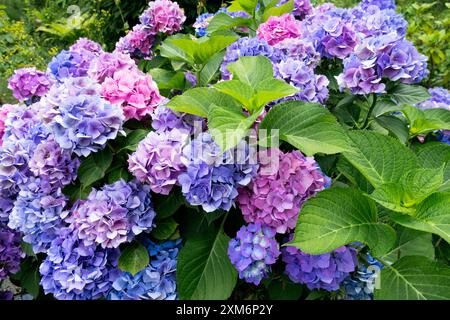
pixel 32 31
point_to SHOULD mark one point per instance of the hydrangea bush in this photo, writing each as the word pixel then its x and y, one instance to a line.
pixel 280 141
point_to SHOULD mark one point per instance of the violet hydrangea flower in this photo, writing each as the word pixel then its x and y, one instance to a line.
pixel 212 178
pixel 27 83
pixel 85 45
pixel 157 281
pixel 4 110
pixel 69 64
pixel 284 182
pixel 73 270
pixel 158 159
pixel 324 271
pixel 7 198
pixel 135 91
pixel 253 251
pixel 276 29
pixel 165 119
pixel 202 23
pixel 299 49
pixel 163 16
pixel 38 213
pixel 108 63
pixel 85 123
pixel 382 4
pixel 137 43
pixel 113 215
pixel 10 251
pixel 302 8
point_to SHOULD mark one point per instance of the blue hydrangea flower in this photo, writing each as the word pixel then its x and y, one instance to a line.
pixel 7 198
pixel 10 251
pixel 360 285
pixel 212 178
pixel 38 213
pixel 85 123
pixel 157 281
pixel 75 271
pixel 202 23
pixel 69 64
pixel 382 4
pixel 253 251
pixel 164 119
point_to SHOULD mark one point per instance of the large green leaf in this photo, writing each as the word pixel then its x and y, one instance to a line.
pixel 307 126
pixel 339 216
pixel 204 271
pixel 134 258
pixel 209 70
pixel 198 101
pixel 414 278
pixel 379 158
pixel 228 127
pixel 170 50
pixel 409 94
pixel 251 70
pixel 410 243
pixel 278 10
pixel 248 6
pixel 395 126
pixel 435 155
pixel 353 175
pixel 168 79
pixel 164 229
pixel 94 167
pixel 432 215
pixel 223 21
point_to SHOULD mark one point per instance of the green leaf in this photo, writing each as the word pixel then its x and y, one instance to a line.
pixel 209 71
pixel 435 155
pixel 432 215
pixel 166 206
pixel 270 90
pixel 284 289
pixel 397 127
pixel 353 175
pixel 171 51
pixel 242 92
pixel 117 174
pixel 168 79
pixel 414 278
pixel 204 271
pixel 248 6
pixel 307 126
pixel 385 105
pixel 424 121
pixel 164 229
pixel 198 101
pixel 339 216
pixel 251 70
pixel 223 21
pixel 379 158
pixel 29 276
pixel 228 127
pixel 278 11
pixel 409 94
pixel 93 168
pixel 411 243
pixel 134 258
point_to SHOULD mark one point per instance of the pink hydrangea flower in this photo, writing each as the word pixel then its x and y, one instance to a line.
pixel 276 29
pixel 4 110
pixel 26 83
pixel 283 183
pixel 108 63
pixel 135 91
pixel 163 16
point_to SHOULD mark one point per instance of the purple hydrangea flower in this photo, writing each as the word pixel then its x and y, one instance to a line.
pixel 440 98
pixel 85 123
pixel 137 43
pixel 157 281
pixel 7 198
pixel 38 213
pixel 165 119
pixel 163 16
pixel 86 45
pixel 382 4
pixel 313 88
pixel 108 63
pixel 113 215
pixel 248 47
pixel 4 111
pixel 6 295
pixel 158 159
pixel 253 251
pixel 302 8
pixel 299 49
pixel 212 178
pixel 202 23
pixel 284 182
pixel 53 164
pixel 372 21
pixel 73 270
pixel 27 83
pixel 10 251
pixel 324 271
pixel 69 64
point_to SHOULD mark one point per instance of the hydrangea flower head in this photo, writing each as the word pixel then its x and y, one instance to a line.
pixel 284 182
pixel 299 49
pixel 69 64
pixel 85 45
pixel 73 270
pixel 163 16
pixel 7 199
pixel 382 4
pixel 113 215
pixel 38 213
pixel 157 281
pixel 253 251
pixel 137 43
pixel 135 91
pixel 158 159
pixel 276 29
pixel 108 63
pixel 165 119
pixel 440 98
pixel 4 110
pixel 324 271
pixel 10 251
pixel 212 178
pixel 27 83
pixel 302 8
pixel 85 123
pixel 202 23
